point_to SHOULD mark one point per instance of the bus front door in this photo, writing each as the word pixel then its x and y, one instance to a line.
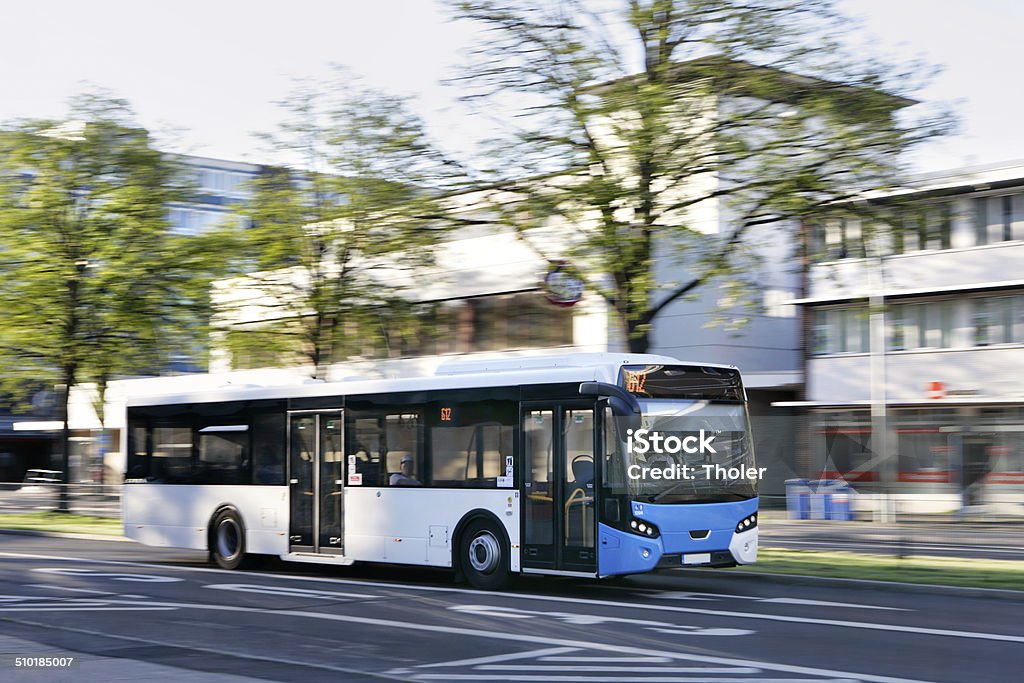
pixel 559 528
pixel 315 477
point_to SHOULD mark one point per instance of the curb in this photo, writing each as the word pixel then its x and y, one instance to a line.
pixel 873 584
pixel 62 534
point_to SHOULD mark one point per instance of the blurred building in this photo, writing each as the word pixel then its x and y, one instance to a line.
pixel 220 188
pixel 946 284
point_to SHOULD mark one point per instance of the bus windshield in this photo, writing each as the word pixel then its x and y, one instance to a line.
pixel 689 452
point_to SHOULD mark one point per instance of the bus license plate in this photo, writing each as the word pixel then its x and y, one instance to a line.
pixel 697 558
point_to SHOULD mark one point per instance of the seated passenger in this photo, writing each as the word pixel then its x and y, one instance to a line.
pixel 405 477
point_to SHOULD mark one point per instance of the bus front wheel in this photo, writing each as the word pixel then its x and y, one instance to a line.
pixel 484 556
pixel 227 542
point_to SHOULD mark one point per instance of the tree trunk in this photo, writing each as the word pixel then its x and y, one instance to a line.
pixel 639 342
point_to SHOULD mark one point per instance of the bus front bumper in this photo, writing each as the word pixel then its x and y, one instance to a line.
pixel 711 540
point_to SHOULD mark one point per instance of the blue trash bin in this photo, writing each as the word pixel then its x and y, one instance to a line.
pixel 839 504
pixel 798 499
pixel 820 495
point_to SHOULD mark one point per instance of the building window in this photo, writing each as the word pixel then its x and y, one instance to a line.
pixel 840 330
pixel 934 325
pixel 926 325
pixel 819 333
pixel 998 219
pixel 998 320
pixel 1007 218
pixel 940 227
pixel 897 328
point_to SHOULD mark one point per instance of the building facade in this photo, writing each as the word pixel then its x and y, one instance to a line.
pixel 916 347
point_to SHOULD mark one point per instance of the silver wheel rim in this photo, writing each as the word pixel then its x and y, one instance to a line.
pixel 228 538
pixel 484 552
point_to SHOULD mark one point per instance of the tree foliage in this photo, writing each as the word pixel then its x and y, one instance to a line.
pixel 632 119
pixel 339 228
pixel 93 284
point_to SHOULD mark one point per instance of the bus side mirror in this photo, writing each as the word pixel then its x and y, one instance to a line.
pixel 624 414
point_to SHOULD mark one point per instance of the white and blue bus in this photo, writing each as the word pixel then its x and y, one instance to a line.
pixel 587 465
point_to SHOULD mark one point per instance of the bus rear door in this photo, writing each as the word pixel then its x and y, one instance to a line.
pixel 315 482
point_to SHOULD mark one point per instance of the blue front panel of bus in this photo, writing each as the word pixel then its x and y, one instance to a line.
pixel 621 552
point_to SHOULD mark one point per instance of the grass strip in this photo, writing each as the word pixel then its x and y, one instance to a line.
pixel 63 522
pixel 942 571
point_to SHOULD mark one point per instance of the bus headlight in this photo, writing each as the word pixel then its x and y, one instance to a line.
pixel 747 523
pixel 644 528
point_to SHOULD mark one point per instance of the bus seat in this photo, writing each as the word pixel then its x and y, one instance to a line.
pixel 582 471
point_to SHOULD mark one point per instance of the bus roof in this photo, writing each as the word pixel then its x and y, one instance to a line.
pixel 447 373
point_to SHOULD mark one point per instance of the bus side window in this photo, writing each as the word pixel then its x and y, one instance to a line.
pixel 172 455
pixel 364 442
pixel 138 451
pixel 268 447
pixel 223 454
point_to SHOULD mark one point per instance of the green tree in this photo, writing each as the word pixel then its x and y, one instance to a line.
pixel 338 230
pixel 635 117
pixel 93 284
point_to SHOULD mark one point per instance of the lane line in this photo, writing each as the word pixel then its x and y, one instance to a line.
pixel 53 586
pixel 502 658
pixel 610 660
pixel 588 601
pixel 682 595
pixel 625 669
pixel 289 592
pixel 612 679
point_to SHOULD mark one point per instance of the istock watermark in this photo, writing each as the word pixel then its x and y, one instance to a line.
pixel 642 442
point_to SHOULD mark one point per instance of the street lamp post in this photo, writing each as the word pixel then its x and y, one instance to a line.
pixel 876 346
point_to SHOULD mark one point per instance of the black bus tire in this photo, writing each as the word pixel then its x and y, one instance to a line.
pixel 484 556
pixel 227 540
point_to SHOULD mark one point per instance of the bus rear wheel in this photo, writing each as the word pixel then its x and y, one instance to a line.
pixel 484 556
pixel 227 540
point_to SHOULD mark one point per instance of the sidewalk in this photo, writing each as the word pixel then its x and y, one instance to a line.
pixel 1000 538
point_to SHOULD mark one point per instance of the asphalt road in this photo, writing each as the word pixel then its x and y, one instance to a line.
pixel 128 612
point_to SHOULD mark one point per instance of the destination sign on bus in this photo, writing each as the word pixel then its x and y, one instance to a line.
pixel 693 382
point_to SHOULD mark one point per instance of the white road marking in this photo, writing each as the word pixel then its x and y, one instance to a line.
pixel 46 603
pixel 500 658
pixel 609 660
pixel 674 595
pixel 618 679
pixel 93 574
pixel 826 603
pixel 69 608
pixel 592 619
pixel 289 592
pixel 625 669
pixel 525 596
pixel 52 586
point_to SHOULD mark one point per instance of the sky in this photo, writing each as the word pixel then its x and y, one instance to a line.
pixel 206 75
